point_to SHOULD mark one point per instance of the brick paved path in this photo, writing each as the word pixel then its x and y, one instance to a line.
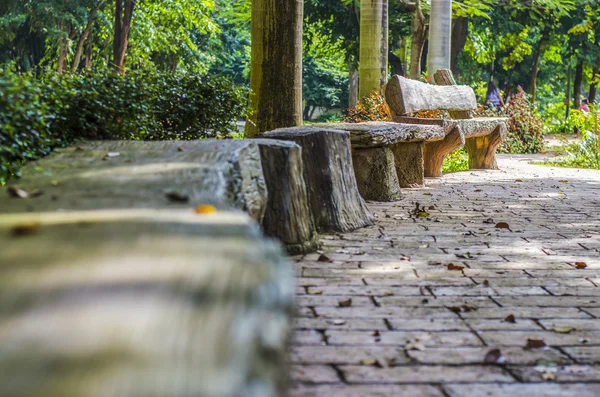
pixel 416 328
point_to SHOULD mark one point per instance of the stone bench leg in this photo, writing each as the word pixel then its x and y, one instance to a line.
pixel 333 194
pixel 434 153
pixel 288 216
pixel 376 176
pixel 409 163
pixel 482 150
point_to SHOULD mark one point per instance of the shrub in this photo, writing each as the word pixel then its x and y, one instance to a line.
pixel 456 161
pixel 525 129
pixel 47 111
pixel 371 108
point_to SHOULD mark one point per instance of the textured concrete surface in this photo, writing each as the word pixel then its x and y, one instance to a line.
pixel 481 283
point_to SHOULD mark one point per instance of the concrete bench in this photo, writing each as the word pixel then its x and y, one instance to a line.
pixel 388 156
pixel 481 136
pixel 142 302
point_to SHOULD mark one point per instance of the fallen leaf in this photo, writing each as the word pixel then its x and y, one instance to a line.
pixel 113 154
pixel 315 292
pixel 493 357
pixel 345 303
pixel 562 330
pixel 535 343
pixel 423 214
pixel 181 149
pixel 415 346
pixel 205 209
pixel 426 194
pixel 518 180
pixel 563 181
pixel 486 283
pixel 25 229
pixel 477 190
pixel 489 221
pixel 548 377
pixel 176 197
pixel 338 322
pixel 368 362
pixel 452 266
pixel 502 225
pixel 510 319
pixel 54 183
pixel 323 258
pixel 580 265
pixel 17 193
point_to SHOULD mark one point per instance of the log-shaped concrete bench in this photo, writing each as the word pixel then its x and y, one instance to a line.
pixel 481 136
pixel 388 155
pixel 133 174
pixel 335 201
pixel 153 303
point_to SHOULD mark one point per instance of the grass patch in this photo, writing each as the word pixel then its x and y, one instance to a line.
pixel 456 161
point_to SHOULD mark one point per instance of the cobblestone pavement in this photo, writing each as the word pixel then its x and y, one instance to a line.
pixel 446 300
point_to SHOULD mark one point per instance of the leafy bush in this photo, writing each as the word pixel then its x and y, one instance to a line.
pixel 525 129
pixel 456 161
pixel 47 111
pixel 371 108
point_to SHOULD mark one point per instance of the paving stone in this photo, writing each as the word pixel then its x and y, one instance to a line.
pixel 428 324
pixel 561 373
pixel 520 389
pixel 364 290
pixel 527 312
pixel 476 355
pixel 314 374
pixel 356 324
pixel 324 300
pixel 482 290
pixel 349 355
pixel 519 338
pixel 549 301
pixel 577 291
pixel 363 391
pixel 425 374
pixel 580 325
pixel 435 302
pixel 584 354
pixel 497 324
pixel 384 312
pixel 403 338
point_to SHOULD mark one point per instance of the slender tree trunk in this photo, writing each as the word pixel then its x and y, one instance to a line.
pixel 440 32
pixel 353 85
pixel 371 18
pixel 577 84
pixel 276 66
pixel 86 32
pixel 62 49
pixel 594 84
pixel 419 35
pixel 403 57
pixel 396 64
pixel 384 43
pixel 568 94
pixel 534 73
pixel 460 30
pixel 123 18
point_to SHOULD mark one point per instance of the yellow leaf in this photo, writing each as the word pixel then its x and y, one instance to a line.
pixel 205 209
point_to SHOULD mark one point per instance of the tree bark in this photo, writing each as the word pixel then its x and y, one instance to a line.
pixel 276 66
pixel 123 18
pixel 353 85
pixel 440 31
pixel 577 84
pixel 384 43
pixel 85 35
pixel 594 84
pixel 460 30
pixel 371 18
pixel 419 34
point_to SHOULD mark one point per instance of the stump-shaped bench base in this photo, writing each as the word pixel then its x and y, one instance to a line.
pixel 288 216
pixel 409 163
pixel 482 149
pixel 376 175
pixel 434 153
pixel 333 194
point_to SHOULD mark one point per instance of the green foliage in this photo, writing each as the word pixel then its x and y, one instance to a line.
pixel 40 113
pixel 525 129
pixel 456 161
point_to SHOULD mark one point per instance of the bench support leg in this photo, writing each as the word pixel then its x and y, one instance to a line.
pixel 434 153
pixel 376 174
pixel 482 150
pixel 409 163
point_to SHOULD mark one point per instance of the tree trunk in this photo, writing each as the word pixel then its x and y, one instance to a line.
pixel 396 64
pixel 123 17
pixel 353 85
pixel 534 73
pixel 568 94
pixel 89 52
pixel 276 66
pixel 85 34
pixel 577 84
pixel 371 18
pixel 419 34
pixel 62 49
pixel 440 31
pixel 594 84
pixel 384 43
pixel 460 30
